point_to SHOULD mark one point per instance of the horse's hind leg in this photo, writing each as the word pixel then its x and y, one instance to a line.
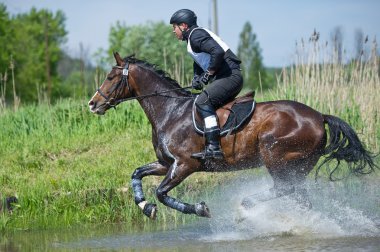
pixel 281 188
pixel 288 179
pixel 154 168
pixel 293 177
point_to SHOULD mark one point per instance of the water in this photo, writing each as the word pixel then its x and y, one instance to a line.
pixel 345 217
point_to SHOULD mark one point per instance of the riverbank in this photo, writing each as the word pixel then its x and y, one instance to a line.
pixel 69 167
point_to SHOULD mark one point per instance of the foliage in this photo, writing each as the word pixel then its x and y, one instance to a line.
pixel 77 76
pixel 34 42
pixel 249 52
pixel 153 42
pixel 5 37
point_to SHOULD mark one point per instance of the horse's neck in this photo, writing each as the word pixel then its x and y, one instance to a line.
pixel 161 109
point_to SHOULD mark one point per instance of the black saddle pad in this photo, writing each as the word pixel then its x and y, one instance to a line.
pixel 239 114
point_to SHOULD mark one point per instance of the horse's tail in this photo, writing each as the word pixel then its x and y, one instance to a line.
pixel 344 144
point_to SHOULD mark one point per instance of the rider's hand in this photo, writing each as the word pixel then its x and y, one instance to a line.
pixel 205 78
pixel 196 83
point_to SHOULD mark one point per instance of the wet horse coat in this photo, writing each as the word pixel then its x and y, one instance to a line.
pixel 285 136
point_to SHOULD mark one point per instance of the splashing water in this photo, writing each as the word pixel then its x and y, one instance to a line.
pixel 345 217
pixel 329 216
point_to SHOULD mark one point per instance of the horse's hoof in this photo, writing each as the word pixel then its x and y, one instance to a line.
pixel 247 204
pixel 150 210
pixel 201 209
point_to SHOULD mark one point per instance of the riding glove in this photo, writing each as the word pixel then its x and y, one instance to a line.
pixel 204 78
pixel 199 81
pixel 196 84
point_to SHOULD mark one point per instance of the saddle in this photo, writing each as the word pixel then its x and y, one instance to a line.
pixel 231 116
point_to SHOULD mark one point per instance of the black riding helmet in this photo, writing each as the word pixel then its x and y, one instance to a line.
pixel 184 16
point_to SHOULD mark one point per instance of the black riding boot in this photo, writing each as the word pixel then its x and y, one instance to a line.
pixel 213 149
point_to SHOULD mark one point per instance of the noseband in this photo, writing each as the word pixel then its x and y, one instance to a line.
pixel 118 88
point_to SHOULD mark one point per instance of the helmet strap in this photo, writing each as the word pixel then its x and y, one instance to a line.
pixel 183 32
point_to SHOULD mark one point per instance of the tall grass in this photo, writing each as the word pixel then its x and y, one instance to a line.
pixel 69 167
pixel 348 90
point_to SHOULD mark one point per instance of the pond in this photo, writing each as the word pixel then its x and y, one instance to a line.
pixel 345 217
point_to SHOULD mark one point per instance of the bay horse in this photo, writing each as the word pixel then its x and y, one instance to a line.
pixel 287 137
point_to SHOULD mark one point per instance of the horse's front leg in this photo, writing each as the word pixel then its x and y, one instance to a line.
pixel 175 176
pixel 155 169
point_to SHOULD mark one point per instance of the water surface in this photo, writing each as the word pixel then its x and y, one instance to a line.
pixel 345 217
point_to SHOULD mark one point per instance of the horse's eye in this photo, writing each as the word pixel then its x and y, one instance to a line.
pixel 109 78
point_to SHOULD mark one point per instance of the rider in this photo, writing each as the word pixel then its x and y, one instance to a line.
pixel 214 64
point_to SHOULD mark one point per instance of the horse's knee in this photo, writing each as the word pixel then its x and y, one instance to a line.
pixel 137 174
pixel 160 194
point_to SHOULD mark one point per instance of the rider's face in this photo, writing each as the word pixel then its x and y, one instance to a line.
pixel 177 30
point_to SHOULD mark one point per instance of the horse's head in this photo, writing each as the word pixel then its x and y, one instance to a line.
pixel 114 88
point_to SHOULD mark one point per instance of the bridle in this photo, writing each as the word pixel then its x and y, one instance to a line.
pixel 119 88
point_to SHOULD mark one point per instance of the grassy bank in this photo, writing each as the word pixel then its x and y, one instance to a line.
pixel 70 167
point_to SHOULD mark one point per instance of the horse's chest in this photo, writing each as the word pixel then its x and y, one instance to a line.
pixel 162 150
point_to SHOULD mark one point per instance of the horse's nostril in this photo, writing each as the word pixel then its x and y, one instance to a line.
pixel 90 103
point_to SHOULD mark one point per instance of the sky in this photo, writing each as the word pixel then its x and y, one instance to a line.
pixel 278 24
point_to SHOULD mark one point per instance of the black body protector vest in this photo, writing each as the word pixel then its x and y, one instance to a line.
pixel 203 59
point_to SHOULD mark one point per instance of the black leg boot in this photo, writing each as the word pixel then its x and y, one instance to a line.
pixel 213 149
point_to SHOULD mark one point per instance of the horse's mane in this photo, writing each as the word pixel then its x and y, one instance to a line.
pixel 153 67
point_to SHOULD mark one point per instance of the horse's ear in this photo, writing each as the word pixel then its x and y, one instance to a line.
pixel 118 59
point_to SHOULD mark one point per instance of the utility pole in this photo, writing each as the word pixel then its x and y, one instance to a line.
pixel 215 17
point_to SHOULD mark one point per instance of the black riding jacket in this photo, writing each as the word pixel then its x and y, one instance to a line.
pixel 221 62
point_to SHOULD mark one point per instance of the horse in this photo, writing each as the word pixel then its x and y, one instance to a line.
pixel 287 137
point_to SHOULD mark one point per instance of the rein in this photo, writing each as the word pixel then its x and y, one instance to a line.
pixel 119 88
pixel 159 94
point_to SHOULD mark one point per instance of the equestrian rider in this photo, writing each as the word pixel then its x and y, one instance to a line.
pixel 216 66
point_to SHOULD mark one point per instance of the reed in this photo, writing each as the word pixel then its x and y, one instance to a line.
pixel 348 90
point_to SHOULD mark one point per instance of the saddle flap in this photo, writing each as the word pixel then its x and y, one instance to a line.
pixel 224 112
pixel 230 116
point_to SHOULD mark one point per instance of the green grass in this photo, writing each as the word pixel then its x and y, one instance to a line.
pixel 56 159
pixel 68 167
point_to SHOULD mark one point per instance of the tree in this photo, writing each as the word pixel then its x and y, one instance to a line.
pixel 4 60
pixel 36 48
pixel 249 52
pixel 5 35
pixel 153 42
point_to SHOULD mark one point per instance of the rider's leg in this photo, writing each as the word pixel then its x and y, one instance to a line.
pixel 222 90
pixel 212 133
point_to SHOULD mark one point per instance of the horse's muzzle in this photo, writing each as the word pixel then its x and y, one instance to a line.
pixel 95 108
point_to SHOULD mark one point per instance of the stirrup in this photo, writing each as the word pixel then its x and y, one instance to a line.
pixel 209 153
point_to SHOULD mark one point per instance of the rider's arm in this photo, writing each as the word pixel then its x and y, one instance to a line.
pixel 201 41
pixel 197 69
